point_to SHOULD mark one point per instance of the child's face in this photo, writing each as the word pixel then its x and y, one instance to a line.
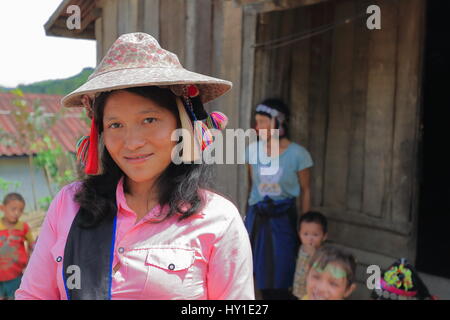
pixel 328 284
pixel 311 234
pixel 13 210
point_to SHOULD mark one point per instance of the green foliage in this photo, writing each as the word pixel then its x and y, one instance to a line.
pixel 55 161
pixel 44 203
pixel 34 125
pixel 7 187
pixel 60 86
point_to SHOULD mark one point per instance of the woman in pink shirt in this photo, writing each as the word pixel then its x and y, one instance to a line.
pixel 142 223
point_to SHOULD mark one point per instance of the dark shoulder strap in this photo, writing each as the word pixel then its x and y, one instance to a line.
pixel 88 255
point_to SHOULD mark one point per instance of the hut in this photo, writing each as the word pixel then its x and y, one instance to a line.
pixel 357 97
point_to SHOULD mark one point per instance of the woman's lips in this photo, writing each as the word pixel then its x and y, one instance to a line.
pixel 139 158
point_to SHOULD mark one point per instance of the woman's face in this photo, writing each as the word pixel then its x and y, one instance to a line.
pixel 136 132
pixel 264 123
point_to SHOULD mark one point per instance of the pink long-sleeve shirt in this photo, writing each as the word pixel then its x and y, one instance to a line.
pixel 206 256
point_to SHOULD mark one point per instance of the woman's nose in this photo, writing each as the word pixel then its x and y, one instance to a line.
pixel 134 139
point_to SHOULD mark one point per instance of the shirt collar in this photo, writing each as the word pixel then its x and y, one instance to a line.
pixel 156 214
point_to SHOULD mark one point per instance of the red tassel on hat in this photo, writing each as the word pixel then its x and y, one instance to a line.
pixel 193 91
pixel 92 159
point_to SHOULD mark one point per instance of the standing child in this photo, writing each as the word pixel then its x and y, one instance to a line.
pixel 13 234
pixel 313 228
pixel 331 275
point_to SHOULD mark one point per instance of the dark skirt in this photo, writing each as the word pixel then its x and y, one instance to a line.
pixel 273 235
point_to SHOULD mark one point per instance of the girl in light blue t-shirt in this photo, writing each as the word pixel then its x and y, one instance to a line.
pixel 277 180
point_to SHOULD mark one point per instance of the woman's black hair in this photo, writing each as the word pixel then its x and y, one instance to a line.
pixel 178 185
pixel 280 106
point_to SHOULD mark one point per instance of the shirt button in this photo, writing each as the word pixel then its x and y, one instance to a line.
pixel 171 266
pixel 121 250
pixel 59 259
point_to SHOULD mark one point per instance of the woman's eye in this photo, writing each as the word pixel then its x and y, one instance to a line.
pixel 149 120
pixel 114 125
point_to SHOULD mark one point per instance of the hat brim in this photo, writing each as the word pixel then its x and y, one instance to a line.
pixel 210 88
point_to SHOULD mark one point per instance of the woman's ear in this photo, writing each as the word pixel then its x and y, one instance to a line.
pixel 325 237
pixel 2 207
pixel 349 290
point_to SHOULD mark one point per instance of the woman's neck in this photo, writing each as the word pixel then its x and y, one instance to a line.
pixel 139 189
pixel 141 196
pixel 282 145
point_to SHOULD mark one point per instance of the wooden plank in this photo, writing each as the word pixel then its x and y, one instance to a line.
pixel 369 239
pixel 259 6
pixel 338 141
pixel 246 102
pixel 151 18
pixel 280 61
pixel 199 35
pixel 127 16
pixel 299 79
pixel 407 102
pixel 321 48
pixel 368 258
pixel 225 62
pixel 99 38
pixel 60 11
pixel 358 118
pixel 379 113
pixel 261 58
pixel 109 24
pixel 360 219
pixel 172 27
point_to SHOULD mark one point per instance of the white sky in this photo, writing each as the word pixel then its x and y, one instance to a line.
pixel 27 55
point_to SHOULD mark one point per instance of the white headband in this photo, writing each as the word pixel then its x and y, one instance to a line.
pixel 274 113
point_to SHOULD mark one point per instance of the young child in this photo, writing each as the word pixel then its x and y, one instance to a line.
pixel 313 228
pixel 401 282
pixel 331 275
pixel 13 234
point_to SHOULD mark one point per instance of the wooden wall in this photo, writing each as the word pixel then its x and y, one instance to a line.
pixel 355 99
pixel 354 95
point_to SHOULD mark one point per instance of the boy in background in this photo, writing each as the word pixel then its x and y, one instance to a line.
pixel 13 255
pixel 313 228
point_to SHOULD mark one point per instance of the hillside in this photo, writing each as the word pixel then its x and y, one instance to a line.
pixel 59 86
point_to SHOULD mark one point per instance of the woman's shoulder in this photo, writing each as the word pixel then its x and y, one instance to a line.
pixel 63 207
pixel 298 150
pixel 69 190
pixel 219 206
pixel 297 147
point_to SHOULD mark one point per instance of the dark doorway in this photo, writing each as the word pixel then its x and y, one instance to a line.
pixel 433 251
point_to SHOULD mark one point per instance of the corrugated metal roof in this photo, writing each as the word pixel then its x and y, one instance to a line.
pixel 67 130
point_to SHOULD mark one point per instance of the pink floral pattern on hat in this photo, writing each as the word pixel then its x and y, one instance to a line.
pixel 137 59
pixel 136 51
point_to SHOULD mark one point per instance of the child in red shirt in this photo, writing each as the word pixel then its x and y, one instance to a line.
pixel 13 255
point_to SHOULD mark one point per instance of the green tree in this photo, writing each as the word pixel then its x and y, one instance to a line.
pixel 34 124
